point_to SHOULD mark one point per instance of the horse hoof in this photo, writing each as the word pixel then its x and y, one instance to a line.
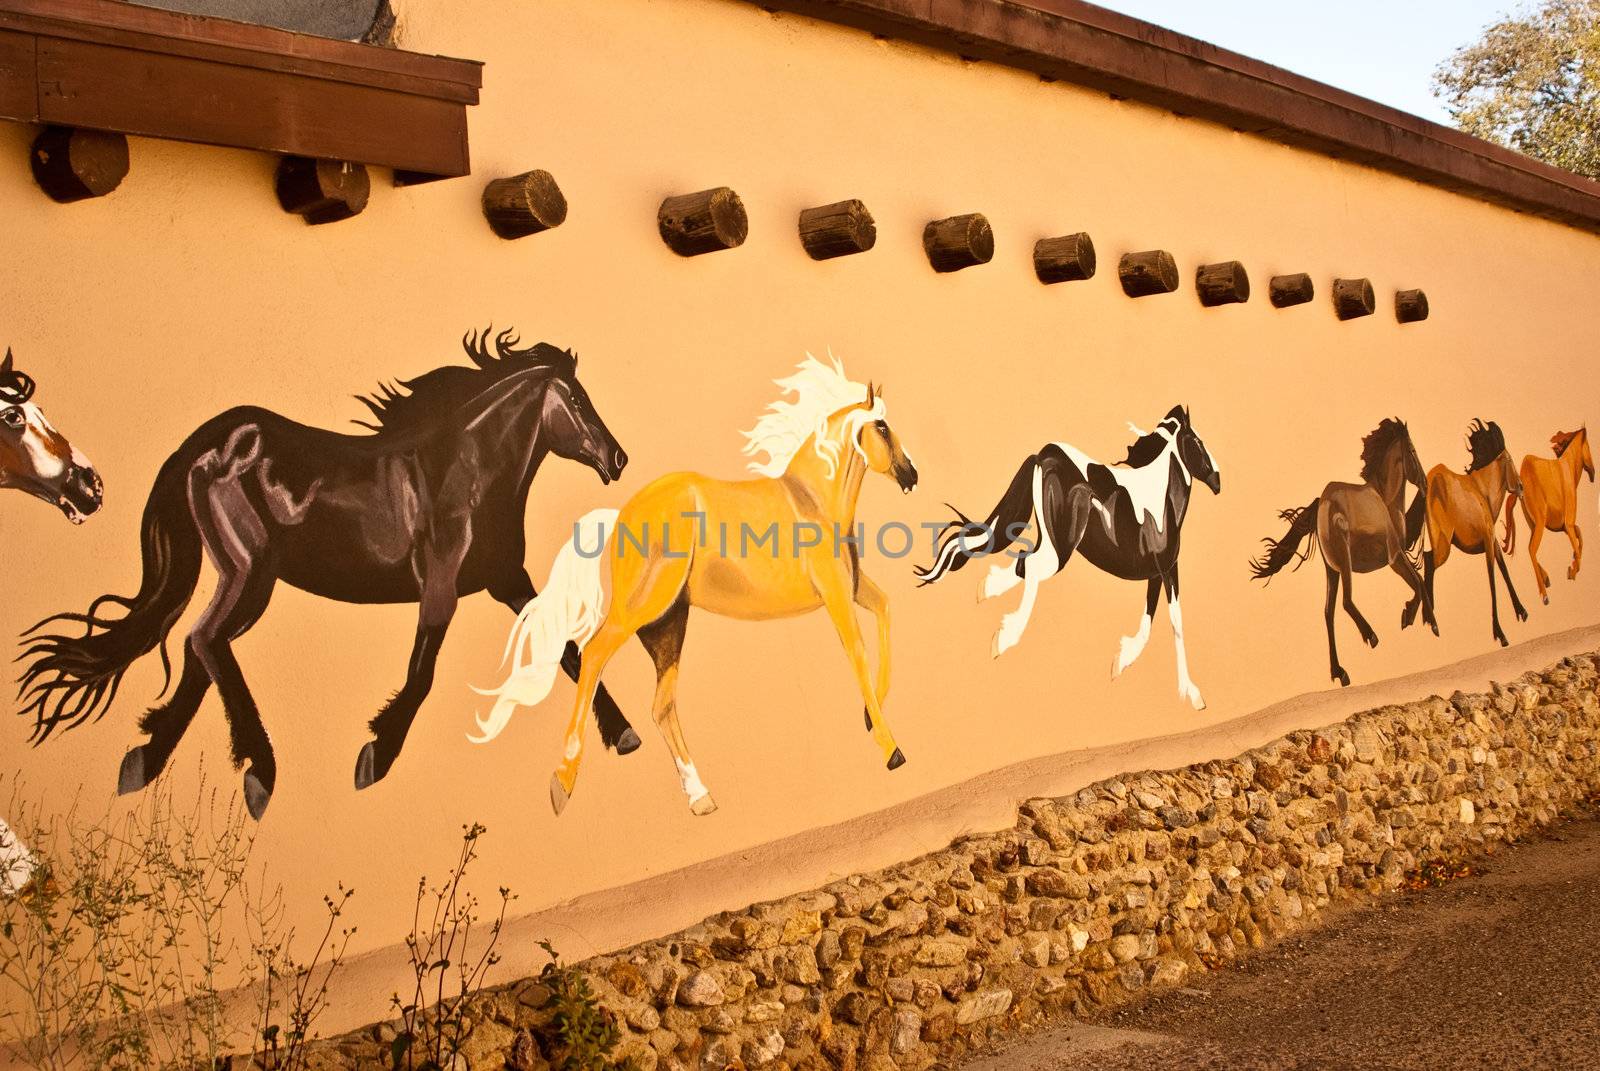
pixel 1546 599
pixel 1371 641
pixel 703 806
pixel 256 795
pixel 1435 626
pixel 628 742
pixel 366 766
pixel 867 716
pixel 132 777
pixel 1342 677
pixel 558 795
pixel 897 760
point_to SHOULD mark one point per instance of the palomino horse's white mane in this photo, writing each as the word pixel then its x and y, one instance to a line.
pixel 820 391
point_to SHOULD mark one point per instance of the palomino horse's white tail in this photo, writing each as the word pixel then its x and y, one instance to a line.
pixel 569 609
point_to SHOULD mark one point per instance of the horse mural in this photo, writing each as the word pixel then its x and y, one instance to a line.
pixel 1461 513
pixel 1361 528
pixel 427 509
pixel 36 458
pixel 663 560
pixel 1550 501
pixel 1127 520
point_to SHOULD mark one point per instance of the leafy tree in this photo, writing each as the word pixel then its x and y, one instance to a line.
pixel 1533 83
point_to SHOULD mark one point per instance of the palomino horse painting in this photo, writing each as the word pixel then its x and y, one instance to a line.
pixel 1361 528
pixel 1461 513
pixel 427 509
pixel 34 457
pixel 663 559
pixel 1550 501
pixel 1127 520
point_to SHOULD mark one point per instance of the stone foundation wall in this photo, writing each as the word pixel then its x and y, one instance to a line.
pixel 1135 882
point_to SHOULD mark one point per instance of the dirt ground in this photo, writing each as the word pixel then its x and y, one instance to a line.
pixel 1498 970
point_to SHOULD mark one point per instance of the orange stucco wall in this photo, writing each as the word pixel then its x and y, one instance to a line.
pixel 188 291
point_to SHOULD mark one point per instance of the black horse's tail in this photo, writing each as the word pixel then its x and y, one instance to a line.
pixel 964 539
pixel 1302 524
pixel 70 679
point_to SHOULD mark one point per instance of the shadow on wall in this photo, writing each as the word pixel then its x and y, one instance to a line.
pixel 368 21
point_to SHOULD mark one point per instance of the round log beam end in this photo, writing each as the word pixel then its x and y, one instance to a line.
pixel 1410 306
pixel 524 204
pixel 1353 298
pixel 1288 290
pixel 1150 272
pixel 703 222
pixel 837 230
pixel 958 242
pixel 1226 283
pixel 73 165
pixel 1065 259
pixel 322 191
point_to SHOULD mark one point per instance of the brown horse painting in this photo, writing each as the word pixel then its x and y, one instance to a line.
pixel 1462 511
pixel 1550 501
pixel 36 458
pixel 1361 528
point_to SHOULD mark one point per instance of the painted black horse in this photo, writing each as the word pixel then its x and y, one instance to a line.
pixel 1127 520
pixel 427 509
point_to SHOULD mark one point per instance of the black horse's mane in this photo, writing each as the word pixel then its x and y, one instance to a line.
pixel 1486 443
pixel 1148 446
pixel 1376 446
pixel 410 403
pixel 1563 439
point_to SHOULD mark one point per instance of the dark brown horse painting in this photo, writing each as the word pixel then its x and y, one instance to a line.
pixel 427 509
pixel 1361 528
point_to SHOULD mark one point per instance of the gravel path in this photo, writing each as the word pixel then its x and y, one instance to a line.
pixel 1499 971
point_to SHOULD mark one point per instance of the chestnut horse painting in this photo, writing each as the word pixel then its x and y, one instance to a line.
pixel 1550 501
pixel 34 457
pixel 1361 528
pixel 1461 513
pixel 427 509
pixel 753 549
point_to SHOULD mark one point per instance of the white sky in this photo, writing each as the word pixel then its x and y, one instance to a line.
pixel 1382 49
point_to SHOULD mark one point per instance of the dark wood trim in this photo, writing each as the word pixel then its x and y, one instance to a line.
pixel 105 65
pixel 1076 42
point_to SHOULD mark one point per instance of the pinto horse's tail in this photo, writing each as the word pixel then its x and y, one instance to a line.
pixel 964 539
pixel 1302 524
pixel 70 679
pixel 568 610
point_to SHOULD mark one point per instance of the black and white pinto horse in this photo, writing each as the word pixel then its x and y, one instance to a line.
pixel 1125 519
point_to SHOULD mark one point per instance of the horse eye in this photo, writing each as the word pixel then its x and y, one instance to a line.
pixel 13 418
pixel 882 425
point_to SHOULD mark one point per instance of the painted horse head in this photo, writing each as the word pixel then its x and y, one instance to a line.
pixel 1191 450
pixel 881 446
pixel 1389 461
pixel 36 458
pixel 1563 441
pixel 1488 446
pixel 573 425
pixel 829 413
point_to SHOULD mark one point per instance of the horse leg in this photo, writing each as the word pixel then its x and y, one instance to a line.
pixel 1368 636
pixel 643 589
pixel 437 606
pixel 1505 574
pixel 1062 520
pixel 1408 572
pixel 663 638
pixel 1133 646
pixel 1575 537
pixel 165 725
pixel 1541 579
pixel 1494 604
pixel 516 591
pixel 870 597
pixel 832 581
pixel 1186 687
pixel 1336 670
